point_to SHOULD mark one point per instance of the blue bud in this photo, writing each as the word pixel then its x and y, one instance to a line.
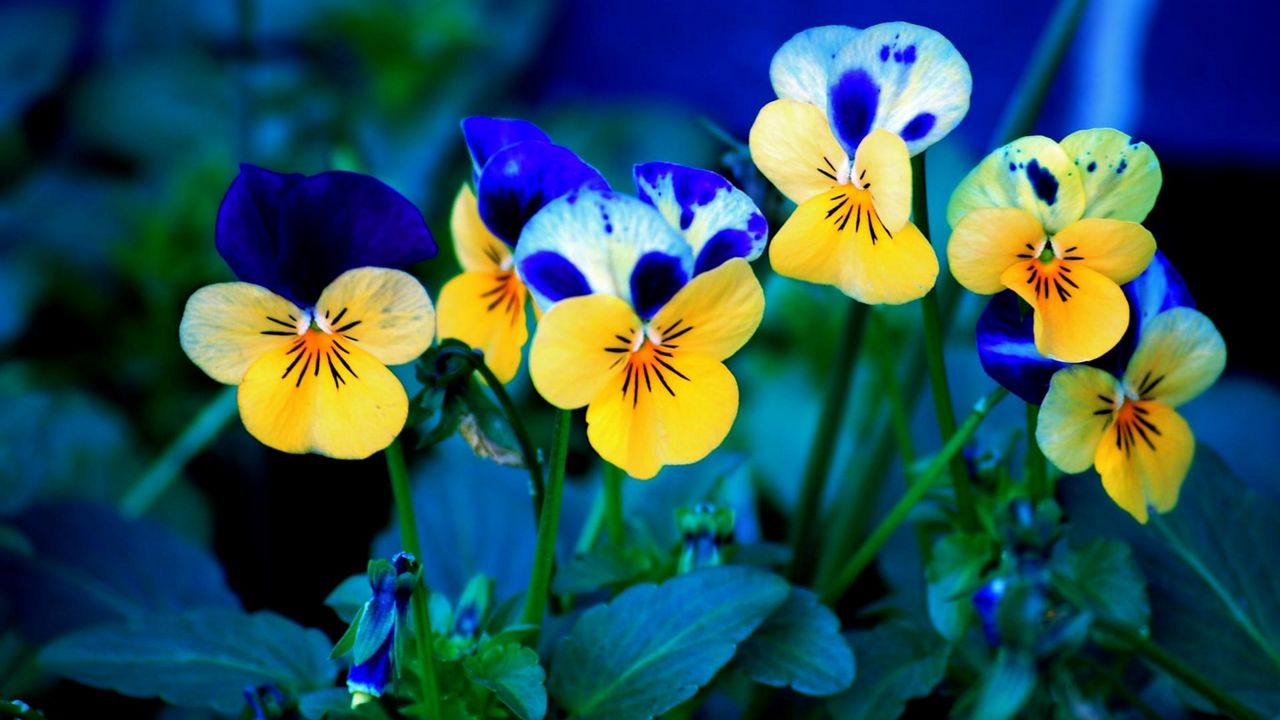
pixel 986 601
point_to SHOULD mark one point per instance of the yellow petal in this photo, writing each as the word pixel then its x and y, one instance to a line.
pixel 987 241
pixel 477 248
pixel 882 166
pixel 321 394
pixel 1144 457
pixel 672 412
pixel 891 270
pixel 792 144
pixel 387 312
pixel 486 310
pixel 227 326
pixel 580 345
pixel 715 314
pixel 1118 249
pixel 1079 314
pixel 809 246
pixel 1031 173
pixel 1179 356
pixel 1121 176
pixel 1075 413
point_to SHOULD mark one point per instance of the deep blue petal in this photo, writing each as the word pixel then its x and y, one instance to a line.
pixel 372 676
pixel 294 234
pixel 1007 348
pixel 725 245
pixel 706 208
pixel 554 276
pixel 986 601
pixel 521 179
pixel 485 136
pixel 657 277
pixel 853 101
pixel 1160 287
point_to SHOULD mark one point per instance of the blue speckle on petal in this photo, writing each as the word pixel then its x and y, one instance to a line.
pixel 854 99
pixel 884 53
pixel 1122 166
pixel 1013 167
pixel 919 126
pixel 1092 166
pixel 656 278
pixel 724 245
pixel 909 55
pixel 1043 182
pixel 553 276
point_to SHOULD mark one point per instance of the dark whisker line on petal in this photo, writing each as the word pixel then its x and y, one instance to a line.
pixel 835 209
pixel 662 379
pixel 347 366
pixel 348 326
pixel 824 172
pixel 668 366
pixel 339 346
pixel 281 333
pixel 280 322
pixel 305 365
pixel 673 337
pixel 337 319
pixel 290 368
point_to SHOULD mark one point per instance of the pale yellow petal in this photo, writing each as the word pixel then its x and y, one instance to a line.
pixel 882 166
pixel 1079 314
pixel 987 242
pixel 486 310
pixel 1144 457
pixel 1030 173
pixel 715 314
pixel 227 326
pixel 1121 176
pixel 1075 414
pixel 792 144
pixel 1179 356
pixel 580 345
pixel 1118 249
pixel 386 311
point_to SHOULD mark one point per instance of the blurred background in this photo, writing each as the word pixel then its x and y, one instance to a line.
pixel 122 123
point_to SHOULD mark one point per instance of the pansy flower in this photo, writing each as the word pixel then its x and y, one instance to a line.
pixel 853 107
pixel 517 170
pixel 377 631
pixel 319 312
pixel 1059 224
pixel 646 298
pixel 1128 428
pixel 1006 336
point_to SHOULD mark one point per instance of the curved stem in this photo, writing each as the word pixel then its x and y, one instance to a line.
pixel 1163 659
pixel 535 599
pixel 935 359
pixel 915 493
pixel 399 473
pixel 614 523
pixel 804 527
pixel 201 431
pixel 1020 114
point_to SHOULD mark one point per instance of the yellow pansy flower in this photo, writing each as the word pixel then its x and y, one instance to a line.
pixel 853 107
pixel 1128 429
pixel 1059 224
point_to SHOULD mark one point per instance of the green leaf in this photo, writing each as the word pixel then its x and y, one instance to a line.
pixel 202 658
pixel 953 575
pixel 799 645
pixel 512 672
pixel 897 661
pixel 607 565
pixel 1214 586
pixel 350 595
pixel 327 704
pixel 486 429
pixel 1101 576
pixel 348 639
pixel 653 646
pixel 1007 687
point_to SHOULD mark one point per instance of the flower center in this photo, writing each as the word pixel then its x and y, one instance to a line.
pixel 506 295
pixel 852 206
pixel 1133 423
pixel 650 354
pixel 1048 269
pixel 317 345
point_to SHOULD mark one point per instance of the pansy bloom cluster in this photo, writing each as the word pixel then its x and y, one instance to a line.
pixel 853 107
pixel 645 298
pixel 322 307
pixel 1058 226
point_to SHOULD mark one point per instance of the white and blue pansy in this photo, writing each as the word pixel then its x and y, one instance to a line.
pixel 485 136
pixel 904 78
pixel 718 220
pixel 591 241
pixel 801 69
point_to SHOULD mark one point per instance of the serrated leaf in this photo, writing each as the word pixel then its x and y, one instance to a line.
pixel 512 672
pixel 203 658
pixel 92 566
pixel 1101 576
pixel 800 646
pixel 653 646
pixel 349 596
pixel 604 566
pixel 953 574
pixel 897 661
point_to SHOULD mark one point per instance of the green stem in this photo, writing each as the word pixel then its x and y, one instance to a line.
pixel 804 528
pixel 168 466
pixel 1020 114
pixel 1037 473
pixel 935 359
pixel 527 449
pixel 614 523
pixel 898 417
pixel 915 493
pixel 535 599
pixel 1164 660
pixel 399 473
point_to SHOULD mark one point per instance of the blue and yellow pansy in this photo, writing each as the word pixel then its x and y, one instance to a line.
pixel 1128 428
pixel 1059 224
pixel 853 107
pixel 645 300
pixel 320 310
pixel 517 170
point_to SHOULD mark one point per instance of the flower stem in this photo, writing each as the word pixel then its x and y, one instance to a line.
pixel 1020 114
pixel 916 492
pixel 201 431
pixel 935 360
pixel 614 523
pixel 1163 659
pixel 535 599
pixel 527 449
pixel 1037 474
pixel 399 473
pixel 804 528
pixel 898 416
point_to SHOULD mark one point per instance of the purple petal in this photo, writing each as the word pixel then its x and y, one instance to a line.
pixel 552 275
pixel 295 234
pixel 718 220
pixel 521 179
pixel 853 101
pixel 656 278
pixel 485 136
pixel 372 676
